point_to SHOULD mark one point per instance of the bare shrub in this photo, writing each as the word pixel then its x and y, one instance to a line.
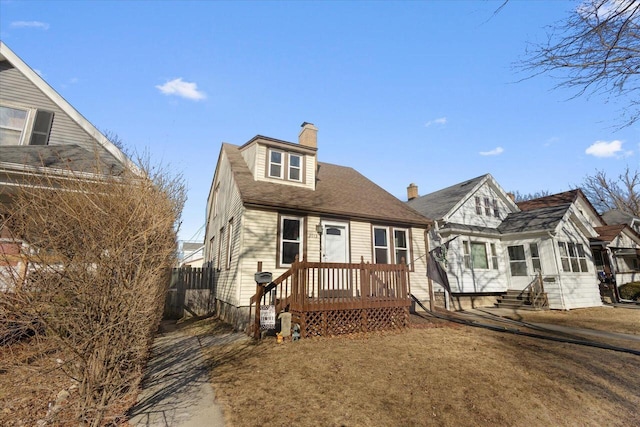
pixel 95 257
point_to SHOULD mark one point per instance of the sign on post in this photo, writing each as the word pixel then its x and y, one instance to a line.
pixel 267 317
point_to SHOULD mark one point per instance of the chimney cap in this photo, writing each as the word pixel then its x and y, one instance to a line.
pixel 306 123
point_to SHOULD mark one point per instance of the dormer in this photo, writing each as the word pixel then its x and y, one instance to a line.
pixel 284 162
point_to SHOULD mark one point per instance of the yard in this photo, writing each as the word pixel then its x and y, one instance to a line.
pixel 435 373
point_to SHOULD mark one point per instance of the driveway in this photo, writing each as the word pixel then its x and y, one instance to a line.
pixel 176 391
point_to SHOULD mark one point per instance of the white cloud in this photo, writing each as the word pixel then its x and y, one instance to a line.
pixel 606 149
pixel 441 121
pixel 494 152
pixel 183 89
pixel 30 24
pixel 551 141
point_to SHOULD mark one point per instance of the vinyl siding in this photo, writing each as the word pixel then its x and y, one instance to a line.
pixel 466 213
pixel 361 247
pixel 249 156
pixel 16 90
pixel 229 207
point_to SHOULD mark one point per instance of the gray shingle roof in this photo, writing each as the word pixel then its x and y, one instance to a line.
pixel 339 191
pixel 534 220
pixel 616 216
pixel 66 157
pixel 437 204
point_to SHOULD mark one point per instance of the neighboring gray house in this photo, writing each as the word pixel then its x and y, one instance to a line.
pixel 41 132
pixel 495 246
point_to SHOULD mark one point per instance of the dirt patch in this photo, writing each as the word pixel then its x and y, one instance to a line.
pixel 430 374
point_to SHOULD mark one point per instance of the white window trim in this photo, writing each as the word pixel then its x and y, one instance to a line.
pixel 387 248
pixel 27 131
pixel 229 244
pixel 281 239
pixel 289 167
pixel 407 236
pixel 281 164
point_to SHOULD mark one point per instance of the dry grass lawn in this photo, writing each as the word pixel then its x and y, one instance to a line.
pixel 433 374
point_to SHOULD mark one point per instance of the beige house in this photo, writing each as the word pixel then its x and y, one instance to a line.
pixel 272 202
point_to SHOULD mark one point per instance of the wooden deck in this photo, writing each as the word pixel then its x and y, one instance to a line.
pixel 338 298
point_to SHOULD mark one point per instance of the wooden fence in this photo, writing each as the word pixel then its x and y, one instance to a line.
pixel 191 292
pixel 338 298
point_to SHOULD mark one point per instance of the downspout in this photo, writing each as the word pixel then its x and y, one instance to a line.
pixel 429 281
pixel 613 269
pixel 552 235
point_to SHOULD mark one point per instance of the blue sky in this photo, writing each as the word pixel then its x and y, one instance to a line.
pixel 422 92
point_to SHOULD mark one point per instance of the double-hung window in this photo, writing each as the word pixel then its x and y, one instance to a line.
pixel 496 210
pixel 276 164
pixel 535 257
pixel 494 257
pixel 517 260
pixel 229 243
pixel 401 245
pixel 220 241
pixel 487 206
pixel 291 243
pixel 295 167
pixel 479 255
pixel 391 245
pixel 21 126
pixel 380 245
pixel 478 206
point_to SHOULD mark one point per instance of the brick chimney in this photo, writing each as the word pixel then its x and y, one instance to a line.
pixel 412 191
pixel 308 135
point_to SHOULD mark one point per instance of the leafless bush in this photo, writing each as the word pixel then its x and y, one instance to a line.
pixel 86 263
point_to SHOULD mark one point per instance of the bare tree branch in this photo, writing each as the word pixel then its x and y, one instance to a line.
pixel 595 51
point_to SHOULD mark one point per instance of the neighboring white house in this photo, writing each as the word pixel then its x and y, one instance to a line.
pixel 617 254
pixel 192 254
pixel 495 245
pixel 272 201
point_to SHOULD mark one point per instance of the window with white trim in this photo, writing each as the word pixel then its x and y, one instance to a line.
pixel 229 243
pixel 220 241
pixel 517 260
pixel 467 252
pixel 276 166
pixel 291 243
pixel 212 249
pixel 496 211
pixel 380 245
pixel 387 250
pixel 573 257
pixel 401 245
pixel 23 126
pixel 295 167
pixel 479 255
pixel 494 257
pixel 478 206
pixel 535 257
pixel 487 206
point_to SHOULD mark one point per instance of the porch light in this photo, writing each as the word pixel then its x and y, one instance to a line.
pixel 319 228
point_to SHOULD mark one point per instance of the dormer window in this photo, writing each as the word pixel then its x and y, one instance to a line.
pixel 285 165
pixel 295 167
pixel 275 164
pixel 21 126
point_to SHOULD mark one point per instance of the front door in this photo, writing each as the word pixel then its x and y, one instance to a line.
pixel 335 249
pixel 335 244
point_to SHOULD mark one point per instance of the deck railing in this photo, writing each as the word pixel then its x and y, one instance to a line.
pixel 537 296
pixel 315 287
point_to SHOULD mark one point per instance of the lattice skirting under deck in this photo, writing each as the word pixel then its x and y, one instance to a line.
pixel 338 322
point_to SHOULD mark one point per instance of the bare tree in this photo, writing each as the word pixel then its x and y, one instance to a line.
pixel 596 50
pixel 97 253
pixel 621 192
